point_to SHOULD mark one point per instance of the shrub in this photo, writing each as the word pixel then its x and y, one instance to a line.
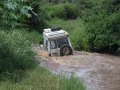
pixel 22 13
pixel 111 6
pixel 57 11
pixel 38 18
pixel 102 21
pixel 71 11
pixel 85 7
pixel 15 52
pixel 63 11
pixel 11 13
pixel 103 32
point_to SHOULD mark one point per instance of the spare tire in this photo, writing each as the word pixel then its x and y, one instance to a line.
pixel 66 50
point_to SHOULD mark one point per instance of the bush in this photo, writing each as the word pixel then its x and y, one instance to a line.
pixel 59 12
pixel 15 52
pixel 12 12
pixel 38 18
pixel 103 32
pixel 22 14
pixel 63 11
pixel 102 19
pixel 111 6
pixel 85 7
pixel 71 11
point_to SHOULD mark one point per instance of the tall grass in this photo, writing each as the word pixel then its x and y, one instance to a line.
pixel 34 37
pixel 41 79
pixel 16 55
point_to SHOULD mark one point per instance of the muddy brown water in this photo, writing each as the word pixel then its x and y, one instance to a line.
pixel 97 71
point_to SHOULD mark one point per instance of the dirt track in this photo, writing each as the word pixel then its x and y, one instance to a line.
pixel 98 71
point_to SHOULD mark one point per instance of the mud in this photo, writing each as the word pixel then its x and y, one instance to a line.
pixel 98 71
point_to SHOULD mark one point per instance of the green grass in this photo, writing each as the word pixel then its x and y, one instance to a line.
pixel 15 52
pixel 76 30
pixel 33 36
pixel 41 79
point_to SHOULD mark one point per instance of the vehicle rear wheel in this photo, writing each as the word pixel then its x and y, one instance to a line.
pixel 66 50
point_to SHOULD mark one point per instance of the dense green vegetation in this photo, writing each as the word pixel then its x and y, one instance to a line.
pixel 15 52
pixel 102 27
pixel 64 11
pixel 93 25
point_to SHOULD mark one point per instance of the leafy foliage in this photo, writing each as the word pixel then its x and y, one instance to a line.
pixel 38 18
pixel 64 11
pixel 12 11
pixel 103 27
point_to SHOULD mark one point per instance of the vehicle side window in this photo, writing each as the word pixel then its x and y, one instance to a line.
pixel 53 44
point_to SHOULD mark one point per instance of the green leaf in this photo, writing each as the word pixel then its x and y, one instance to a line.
pixel 11 5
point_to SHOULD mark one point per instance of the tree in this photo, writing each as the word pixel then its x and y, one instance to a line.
pixel 12 11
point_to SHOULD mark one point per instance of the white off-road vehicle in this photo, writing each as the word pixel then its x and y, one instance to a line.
pixel 56 41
